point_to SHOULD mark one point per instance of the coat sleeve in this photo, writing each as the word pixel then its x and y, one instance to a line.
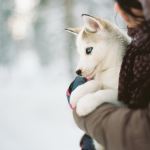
pixel 117 128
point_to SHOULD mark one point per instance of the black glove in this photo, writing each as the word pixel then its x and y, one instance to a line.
pixel 87 143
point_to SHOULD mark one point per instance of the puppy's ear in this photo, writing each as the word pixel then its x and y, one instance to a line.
pixel 73 30
pixel 92 24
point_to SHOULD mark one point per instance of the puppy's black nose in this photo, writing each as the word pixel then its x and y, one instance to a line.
pixel 79 72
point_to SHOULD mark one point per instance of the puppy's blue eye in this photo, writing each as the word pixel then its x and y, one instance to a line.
pixel 89 50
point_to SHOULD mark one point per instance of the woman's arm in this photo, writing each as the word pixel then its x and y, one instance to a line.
pixel 117 128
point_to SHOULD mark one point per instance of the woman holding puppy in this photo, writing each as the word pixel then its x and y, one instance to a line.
pixel 127 128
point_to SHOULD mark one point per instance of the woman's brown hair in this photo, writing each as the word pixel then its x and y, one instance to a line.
pixel 127 5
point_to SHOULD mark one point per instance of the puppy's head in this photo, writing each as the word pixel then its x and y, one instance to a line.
pixel 92 44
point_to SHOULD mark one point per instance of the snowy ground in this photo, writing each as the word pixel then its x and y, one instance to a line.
pixel 34 114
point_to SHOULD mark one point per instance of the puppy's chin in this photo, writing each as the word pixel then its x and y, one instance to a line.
pixel 90 76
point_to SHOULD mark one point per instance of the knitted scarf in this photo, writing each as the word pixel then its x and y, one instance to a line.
pixel 134 80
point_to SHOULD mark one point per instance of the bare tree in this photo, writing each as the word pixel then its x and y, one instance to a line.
pixel 6 41
pixel 69 18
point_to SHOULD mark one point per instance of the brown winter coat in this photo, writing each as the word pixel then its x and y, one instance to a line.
pixel 118 128
pixel 122 128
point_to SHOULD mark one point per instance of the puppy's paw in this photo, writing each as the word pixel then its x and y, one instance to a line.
pixel 75 96
pixel 85 105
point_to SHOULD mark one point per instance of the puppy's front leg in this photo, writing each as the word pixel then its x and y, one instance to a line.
pixel 90 102
pixel 82 90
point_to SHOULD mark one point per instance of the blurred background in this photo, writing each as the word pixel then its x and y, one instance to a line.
pixel 37 62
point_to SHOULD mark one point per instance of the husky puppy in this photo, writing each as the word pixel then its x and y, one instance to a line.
pixel 101 46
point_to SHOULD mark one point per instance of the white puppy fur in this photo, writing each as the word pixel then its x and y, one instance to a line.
pixel 101 47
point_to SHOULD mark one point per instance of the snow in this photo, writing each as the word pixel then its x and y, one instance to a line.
pixel 34 113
